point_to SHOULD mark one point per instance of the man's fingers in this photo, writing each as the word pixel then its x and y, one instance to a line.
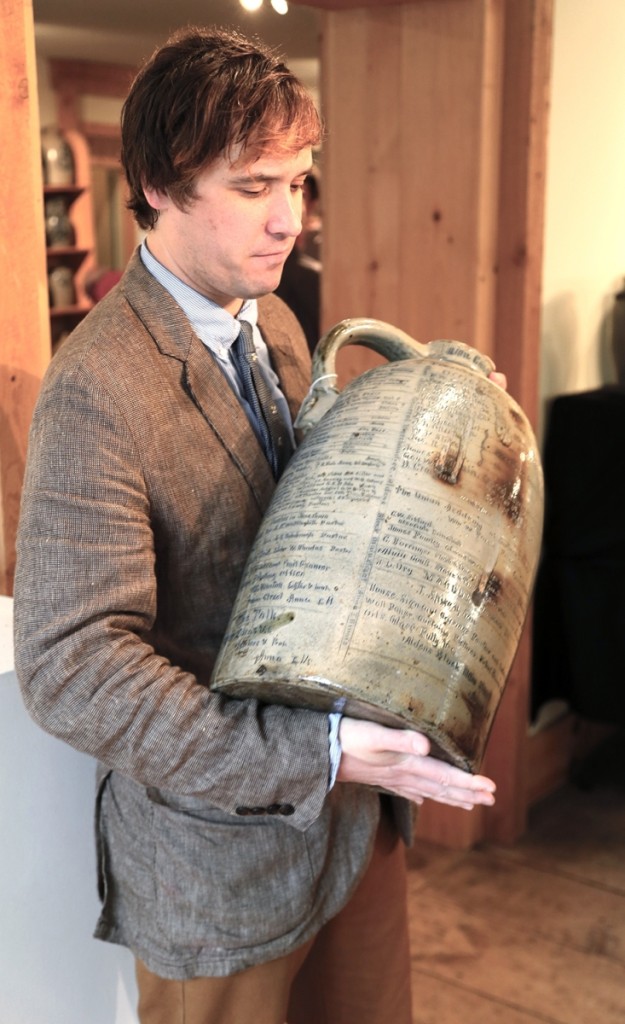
pixel 398 760
pixel 500 379
pixel 438 781
pixel 373 741
pixel 448 777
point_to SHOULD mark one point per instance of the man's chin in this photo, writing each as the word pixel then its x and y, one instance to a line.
pixel 265 287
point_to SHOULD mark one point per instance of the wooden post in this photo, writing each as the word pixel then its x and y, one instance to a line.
pixel 25 337
pixel 526 91
pixel 412 97
pixel 432 192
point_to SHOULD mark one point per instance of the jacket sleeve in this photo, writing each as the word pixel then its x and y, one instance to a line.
pixel 85 603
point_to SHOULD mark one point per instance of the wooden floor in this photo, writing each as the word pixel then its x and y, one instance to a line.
pixel 535 932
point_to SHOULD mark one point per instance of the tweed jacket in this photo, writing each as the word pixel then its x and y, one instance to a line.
pixel 219 845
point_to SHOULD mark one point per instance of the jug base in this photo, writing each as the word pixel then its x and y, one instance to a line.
pixel 323 695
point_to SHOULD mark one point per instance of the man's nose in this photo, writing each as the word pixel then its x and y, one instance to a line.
pixel 286 215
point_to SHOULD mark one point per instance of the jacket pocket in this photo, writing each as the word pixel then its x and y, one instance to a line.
pixel 234 884
pixel 102 858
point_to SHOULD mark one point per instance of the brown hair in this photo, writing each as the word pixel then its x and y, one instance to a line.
pixel 208 93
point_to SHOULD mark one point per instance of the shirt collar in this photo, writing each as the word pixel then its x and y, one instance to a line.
pixel 215 327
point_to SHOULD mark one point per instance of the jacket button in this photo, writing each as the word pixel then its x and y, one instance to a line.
pixel 242 811
pixel 257 810
pixel 286 809
pixel 274 808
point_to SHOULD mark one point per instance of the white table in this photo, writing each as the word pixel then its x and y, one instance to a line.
pixel 51 969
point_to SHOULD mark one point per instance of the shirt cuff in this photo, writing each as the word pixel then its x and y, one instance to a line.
pixel 334 721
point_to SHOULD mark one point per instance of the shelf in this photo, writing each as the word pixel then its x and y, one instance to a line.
pixel 78 259
pixel 66 255
pixel 69 312
pixel 69 192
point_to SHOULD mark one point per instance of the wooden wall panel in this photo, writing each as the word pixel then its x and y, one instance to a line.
pixel 346 242
pixel 451 60
pixel 383 218
pixel 25 335
pixel 411 95
pixel 526 85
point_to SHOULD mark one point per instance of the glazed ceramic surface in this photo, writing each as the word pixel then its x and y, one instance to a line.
pixel 59 228
pixel 393 571
pixel 57 158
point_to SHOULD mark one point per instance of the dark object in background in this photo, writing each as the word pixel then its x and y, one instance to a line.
pixel 300 288
pixel 579 605
pixel 100 281
pixel 300 285
pixel 618 336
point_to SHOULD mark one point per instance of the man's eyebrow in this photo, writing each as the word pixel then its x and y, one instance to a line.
pixel 248 179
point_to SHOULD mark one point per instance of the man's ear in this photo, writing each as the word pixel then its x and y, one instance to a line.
pixel 158 200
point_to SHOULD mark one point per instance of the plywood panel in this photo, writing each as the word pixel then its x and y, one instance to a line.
pixel 527 79
pixel 345 238
pixel 451 59
pixel 25 338
pixel 383 217
pixel 411 96
pixel 349 257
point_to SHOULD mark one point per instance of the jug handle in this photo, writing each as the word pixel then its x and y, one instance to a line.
pixel 383 338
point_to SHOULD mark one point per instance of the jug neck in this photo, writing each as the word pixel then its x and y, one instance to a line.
pixel 457 352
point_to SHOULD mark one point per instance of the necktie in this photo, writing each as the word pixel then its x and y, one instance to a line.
pixel 274 434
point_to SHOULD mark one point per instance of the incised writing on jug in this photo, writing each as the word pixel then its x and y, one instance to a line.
pixel 392 573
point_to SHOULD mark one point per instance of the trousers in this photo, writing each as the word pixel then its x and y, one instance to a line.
pixel 356 970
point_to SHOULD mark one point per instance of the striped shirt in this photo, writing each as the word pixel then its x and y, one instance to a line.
pixel 218 330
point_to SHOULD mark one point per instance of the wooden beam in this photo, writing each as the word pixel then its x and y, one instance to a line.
pixel 521 213
pixel 25 338
pixel 529 30
pixel 412 98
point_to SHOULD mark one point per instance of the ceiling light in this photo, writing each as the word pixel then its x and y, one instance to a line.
pixel 279 6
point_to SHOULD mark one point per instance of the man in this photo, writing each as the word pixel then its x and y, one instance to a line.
pixel 251 878
pixel 300 283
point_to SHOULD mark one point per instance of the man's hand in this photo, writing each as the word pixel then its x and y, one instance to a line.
pixel 397 760
pixel 499 379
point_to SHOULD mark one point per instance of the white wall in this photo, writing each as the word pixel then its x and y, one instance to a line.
pixel 51 969
pixel 584 263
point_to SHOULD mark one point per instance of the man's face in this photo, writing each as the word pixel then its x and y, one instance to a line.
pixel 232 241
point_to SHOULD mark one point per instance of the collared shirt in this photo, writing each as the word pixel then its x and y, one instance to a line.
pixel 218 330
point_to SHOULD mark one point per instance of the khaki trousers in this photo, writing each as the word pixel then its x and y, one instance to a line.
pixel 355 971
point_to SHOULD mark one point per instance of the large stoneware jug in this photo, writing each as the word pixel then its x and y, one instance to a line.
pixel 392 573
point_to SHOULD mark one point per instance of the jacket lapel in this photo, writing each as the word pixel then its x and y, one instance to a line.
pixel 292 367
pixel 217 402
pixel 202 379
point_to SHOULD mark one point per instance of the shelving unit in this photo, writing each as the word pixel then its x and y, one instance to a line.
pixel 79 258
